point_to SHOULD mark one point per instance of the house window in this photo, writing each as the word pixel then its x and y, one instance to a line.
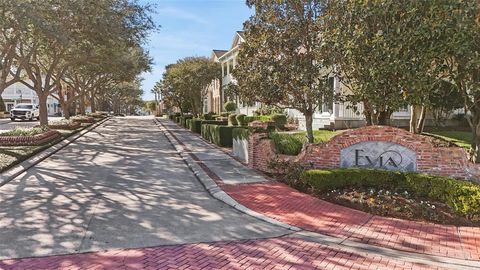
pixel 225 70
pixel 326 101
pixel 9 107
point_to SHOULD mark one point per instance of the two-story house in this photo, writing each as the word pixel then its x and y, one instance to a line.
pixel 329 114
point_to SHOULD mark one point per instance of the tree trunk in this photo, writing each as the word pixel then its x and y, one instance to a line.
pixel 82 105
pixel 368 117
pixel 309 126
pixel 66 110
pixel 413 119
pixel 421 120
pixel 42 104
pixel 384 118
pixel 475 151
pixel 92 103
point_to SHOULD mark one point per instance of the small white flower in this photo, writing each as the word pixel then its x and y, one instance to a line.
pixel 433 206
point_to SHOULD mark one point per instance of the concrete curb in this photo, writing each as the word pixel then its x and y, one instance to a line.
pixel 387 252
pixel 18 169
pixel 212 187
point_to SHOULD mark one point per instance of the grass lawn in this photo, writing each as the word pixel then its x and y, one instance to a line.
pixel 13 155
pixel 460 138
pixel 318 135
pixel 292 143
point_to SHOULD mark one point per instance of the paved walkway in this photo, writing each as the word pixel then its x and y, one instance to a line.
pixel 279 253
pixel 290 206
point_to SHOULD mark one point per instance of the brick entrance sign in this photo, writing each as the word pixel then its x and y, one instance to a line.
pixel 380 147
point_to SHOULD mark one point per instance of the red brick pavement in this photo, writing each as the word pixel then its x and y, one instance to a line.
pixel 283 203
pixel 279 253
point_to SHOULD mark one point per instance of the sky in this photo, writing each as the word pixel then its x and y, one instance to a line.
pixel 190 28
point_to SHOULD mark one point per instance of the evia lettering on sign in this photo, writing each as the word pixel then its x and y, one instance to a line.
pixel 387 159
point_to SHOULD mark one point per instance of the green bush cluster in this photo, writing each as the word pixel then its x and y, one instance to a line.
pixel 286 144
pixel 25 131
pixel 230 106
pixel 262 118
pixel 240 133
pixel 461 196
pixel 232 120
pixel 241 120
pixel 196 124
pixel 183 120
pixel 280 121
pixel 218 134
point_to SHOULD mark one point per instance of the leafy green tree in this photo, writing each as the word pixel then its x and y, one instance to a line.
pixel 282 62
pixel 184 83
pixel 461 54
pixel 56 41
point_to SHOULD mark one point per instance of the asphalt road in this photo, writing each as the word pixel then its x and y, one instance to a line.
pixel 120 186
pixel 7 124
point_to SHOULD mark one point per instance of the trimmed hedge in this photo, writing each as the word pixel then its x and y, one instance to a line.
pixel 196 124
pixel 218 134
pixel 461 196
pixel 286 144
pixel 183 120
pixel 280 121
pixel 230 106
pixel 240 133
pixel 241 120
pixel 232 120
pixel 263 118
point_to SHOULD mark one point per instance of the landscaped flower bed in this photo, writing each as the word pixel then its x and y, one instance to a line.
pixel 83 119
pixel 402 195
pixel 31 136
pixel 64 124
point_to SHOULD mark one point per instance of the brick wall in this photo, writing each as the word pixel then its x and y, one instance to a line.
pixel 432 156
pixel 29 140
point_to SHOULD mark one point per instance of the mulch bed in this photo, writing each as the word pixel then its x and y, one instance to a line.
pixel 397 205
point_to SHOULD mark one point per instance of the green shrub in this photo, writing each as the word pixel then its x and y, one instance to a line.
pixel 232 120
pixel 196 124
pixel 241 120
pixel 25 131
pixel 218 134
pixel 461 196
pixel 224 114
pixel 286 144
pixel 209 116
pixel 189 123
pixel 230 106
pixel 183 120
pixel 240 133
pixel 280 121
pixel 263 118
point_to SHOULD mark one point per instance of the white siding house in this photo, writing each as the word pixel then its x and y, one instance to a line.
pixel 19 93
pixel 330 114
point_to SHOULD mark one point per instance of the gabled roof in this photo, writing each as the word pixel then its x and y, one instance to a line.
pixel 219 53
pixel 237 39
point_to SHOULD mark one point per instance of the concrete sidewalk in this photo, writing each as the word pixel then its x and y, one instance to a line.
pixel 287 205
pixel 218 164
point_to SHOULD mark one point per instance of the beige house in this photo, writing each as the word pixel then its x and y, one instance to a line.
pixel 330 114
pixel 213 101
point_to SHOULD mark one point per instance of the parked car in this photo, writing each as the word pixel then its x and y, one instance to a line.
pixel 25 111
